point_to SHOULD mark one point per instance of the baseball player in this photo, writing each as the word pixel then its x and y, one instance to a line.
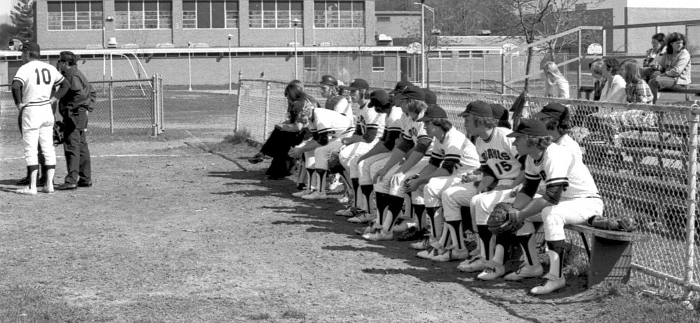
pixel 382 103
pixel 389 178
pixel 499 167
pixel 335 101
pixel 452 157
pixel 328 127
pixel 370 127
pixel 571 195
pixel 31 91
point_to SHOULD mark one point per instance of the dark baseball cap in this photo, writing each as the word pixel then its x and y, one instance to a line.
pixel 358 84
pixel 379 98
pixel 479 109
pixel 555 110
pixel 401 86
pixel 410 92
pixel 430 97
pixel 499 112
pixel 30 46
pixel 433 112
pixel 529 127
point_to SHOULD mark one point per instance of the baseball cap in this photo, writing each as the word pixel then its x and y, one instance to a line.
pixel 401 86
pixel 499 111
pixel 529 127
pixel 410 92
pixel 433 112
pixel 30 46
pixel 358 84
pixel 479 109
pixel 430 97
pixel 379 98
pixel 555 110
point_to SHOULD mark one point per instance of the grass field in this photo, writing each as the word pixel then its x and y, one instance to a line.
pixel 180 228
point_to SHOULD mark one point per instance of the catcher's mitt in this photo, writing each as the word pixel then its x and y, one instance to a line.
pixel 503 219
pixel 623 223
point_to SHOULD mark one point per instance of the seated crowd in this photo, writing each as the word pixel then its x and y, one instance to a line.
pixel 413 176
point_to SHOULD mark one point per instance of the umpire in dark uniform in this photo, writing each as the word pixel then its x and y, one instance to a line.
pixel 74 107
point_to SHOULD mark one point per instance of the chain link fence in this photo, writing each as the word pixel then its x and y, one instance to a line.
pixel 123 106
pixel 643 158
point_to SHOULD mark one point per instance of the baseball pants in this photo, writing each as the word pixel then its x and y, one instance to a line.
pixel 37 129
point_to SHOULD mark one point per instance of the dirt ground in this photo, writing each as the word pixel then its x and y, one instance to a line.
pixel 171 232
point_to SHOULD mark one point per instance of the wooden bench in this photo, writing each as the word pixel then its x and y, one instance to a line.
pixel 690 89
pixel 610 255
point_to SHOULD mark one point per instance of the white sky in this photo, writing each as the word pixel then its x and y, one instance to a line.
pixel 5 8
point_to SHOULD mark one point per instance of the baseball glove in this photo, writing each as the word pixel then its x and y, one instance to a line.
pixel 503 219
pixel 623 223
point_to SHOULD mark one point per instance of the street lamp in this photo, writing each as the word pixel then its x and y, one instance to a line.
pixel 296 57
pixel 229 63
pixel 189 62
pixel 422 37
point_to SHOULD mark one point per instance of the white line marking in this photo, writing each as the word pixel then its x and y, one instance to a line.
pixel 127 155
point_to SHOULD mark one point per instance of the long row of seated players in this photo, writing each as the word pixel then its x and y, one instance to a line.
pixel 430 182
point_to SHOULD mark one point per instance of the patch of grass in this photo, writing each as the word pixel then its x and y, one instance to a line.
pixel 293 314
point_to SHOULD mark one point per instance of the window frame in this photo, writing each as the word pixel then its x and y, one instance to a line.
pixel 378 67
pixel 231 14
pixel 355 14
pixel 92 18
pixel 135 15
pixel 275 14
pixel 310 62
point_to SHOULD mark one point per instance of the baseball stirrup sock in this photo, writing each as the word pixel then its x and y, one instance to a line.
pixel 485 240
pixel 395 205
pixel 455 228
pixel 431 217
pixel 367 192
pixel 382 204
pixel 321 180
pixel 419 211
pixel 355 185
pixel 467 218
pixel 309 177
pixel 557 249
pixel 524 242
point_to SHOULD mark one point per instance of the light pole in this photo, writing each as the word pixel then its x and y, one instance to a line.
pixel 422 37
pixel 229 63
pixel 189 62
pixel 296 57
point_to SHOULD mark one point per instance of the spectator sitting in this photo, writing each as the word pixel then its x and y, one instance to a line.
pixel 658 48
pixel 673 68
pixel 555 84
pixel 636 89
pixel 597 67
pixel 614 88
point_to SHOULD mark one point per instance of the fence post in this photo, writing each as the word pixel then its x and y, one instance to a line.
pixel 238 100
pixel 160 107
pixel 503 72
pixel 111 107
pixel 692 192
pixel 154 106
pixel 267 110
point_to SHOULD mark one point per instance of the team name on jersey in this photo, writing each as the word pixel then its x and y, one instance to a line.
pixel 494 154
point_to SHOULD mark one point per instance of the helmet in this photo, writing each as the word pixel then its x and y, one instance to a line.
pixel 329 80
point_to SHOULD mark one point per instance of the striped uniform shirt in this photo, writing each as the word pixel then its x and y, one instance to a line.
pixel 392 122
pixel 457 148
pixel 498 153
pixel 38 80
pixel 370 119
pixel 413 130
pixel 325 121
pixel 558 166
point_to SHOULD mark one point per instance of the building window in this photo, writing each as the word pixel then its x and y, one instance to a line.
pixel 377 63
pixel 206 14
pixel 339 14
pixel 471 54
pixel 73 15
pixel 440 55
pixel 383 19
pixel 310 63
pixel 275 14
pixel 143 14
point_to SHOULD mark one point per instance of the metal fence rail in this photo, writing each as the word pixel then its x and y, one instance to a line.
pixel 123 106
pixel 643 157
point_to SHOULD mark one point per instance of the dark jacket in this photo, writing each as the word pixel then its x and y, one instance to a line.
pixel 74 105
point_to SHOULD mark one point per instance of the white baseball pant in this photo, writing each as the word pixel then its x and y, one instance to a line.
pixel 37 129
pixel 349 155
pixel 555 217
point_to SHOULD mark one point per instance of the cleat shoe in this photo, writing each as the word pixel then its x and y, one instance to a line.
pixel 364 230
pixel 315 195
pixel 452 255
pixel 553 283
pixel 403 226
pixel 412 234
pixel 362 217
pixel 379 235
pixel 472 265
pixel 302 193
pixel 350 211
pixel 422 245
pixel 525 271
pixel 492 271
pixel 26 191
pixel 429 253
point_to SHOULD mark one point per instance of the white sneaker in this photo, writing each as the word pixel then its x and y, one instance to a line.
pixel 378 235
pixel 429 253
pixel 451 255
pixel 315 195
pixel 362 217
pixel 421 245
pixel 553 283
pixel 403 226
pixel 302 193
pixel 525 271
pixel 350 211
pixel 472 265
pixel 492 271
pixel 26 191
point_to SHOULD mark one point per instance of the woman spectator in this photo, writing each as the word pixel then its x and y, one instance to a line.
pixel 555 84
pixel 636 89
pixel 658 47
pixel 673 68
pixel 287 134
pixel 614 88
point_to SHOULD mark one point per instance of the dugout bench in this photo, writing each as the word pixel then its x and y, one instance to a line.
pixel 689 89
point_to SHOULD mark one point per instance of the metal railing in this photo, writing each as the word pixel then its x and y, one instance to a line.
pixel 643 157
pixel 123 106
